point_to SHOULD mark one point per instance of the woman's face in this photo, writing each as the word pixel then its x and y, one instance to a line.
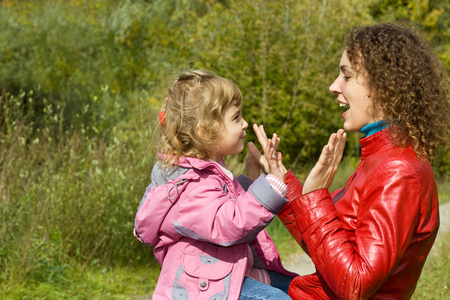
pixel 352 92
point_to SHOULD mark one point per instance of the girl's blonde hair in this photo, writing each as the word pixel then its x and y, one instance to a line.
pixel 191 114
pixel 407 82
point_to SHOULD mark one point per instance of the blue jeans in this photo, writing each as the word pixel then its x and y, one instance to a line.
pixel 278 288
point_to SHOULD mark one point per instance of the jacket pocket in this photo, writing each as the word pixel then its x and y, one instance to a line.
pixel 203 277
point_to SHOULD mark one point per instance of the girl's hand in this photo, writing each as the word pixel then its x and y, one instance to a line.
pixel 262 138
pixel 251 165
pixel 322 175
pixel 271 161
pixel 274 158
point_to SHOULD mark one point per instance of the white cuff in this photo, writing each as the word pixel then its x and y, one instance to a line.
pixel 277 185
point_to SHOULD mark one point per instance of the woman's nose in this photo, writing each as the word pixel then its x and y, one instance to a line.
pixel 334 87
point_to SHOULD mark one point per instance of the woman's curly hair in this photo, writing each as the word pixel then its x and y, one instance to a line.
pixel 406 81
pixel 192 113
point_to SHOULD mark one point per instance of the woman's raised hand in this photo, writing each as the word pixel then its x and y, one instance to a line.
pixel 322 175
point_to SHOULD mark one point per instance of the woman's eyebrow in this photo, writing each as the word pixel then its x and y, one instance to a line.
pixel 345 68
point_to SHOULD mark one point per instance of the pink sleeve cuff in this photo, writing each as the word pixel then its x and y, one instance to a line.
pixel 279 186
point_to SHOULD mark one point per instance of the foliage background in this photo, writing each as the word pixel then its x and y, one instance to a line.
pixel 81 83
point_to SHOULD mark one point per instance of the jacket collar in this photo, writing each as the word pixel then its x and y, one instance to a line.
pixel 374 127
pixel 375 142
pixel 199 164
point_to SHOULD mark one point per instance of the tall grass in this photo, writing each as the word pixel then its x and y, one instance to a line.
pixel 67 200
pixel 434 282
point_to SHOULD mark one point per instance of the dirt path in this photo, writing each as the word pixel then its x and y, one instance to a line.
pixel 303 265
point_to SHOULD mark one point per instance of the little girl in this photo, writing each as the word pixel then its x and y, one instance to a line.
pixel 206 226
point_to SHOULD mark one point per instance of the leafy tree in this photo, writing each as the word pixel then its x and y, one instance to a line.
pixel 431 16
pixel 103 63
pixel 283 55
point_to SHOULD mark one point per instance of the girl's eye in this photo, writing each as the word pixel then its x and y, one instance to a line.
pixel 346 78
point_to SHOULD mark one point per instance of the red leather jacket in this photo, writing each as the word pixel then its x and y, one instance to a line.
pixel 371 238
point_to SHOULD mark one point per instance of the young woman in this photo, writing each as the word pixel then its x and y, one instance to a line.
pixel 207 227
pixel 371 238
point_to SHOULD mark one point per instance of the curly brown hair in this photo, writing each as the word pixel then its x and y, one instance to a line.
pixel 193 112
pixel 407 82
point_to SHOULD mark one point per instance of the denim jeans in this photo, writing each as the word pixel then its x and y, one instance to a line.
pixel 278 289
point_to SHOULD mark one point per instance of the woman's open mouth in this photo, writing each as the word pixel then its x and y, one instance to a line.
pixel 341 104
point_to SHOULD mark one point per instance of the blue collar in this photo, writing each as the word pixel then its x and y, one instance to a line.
pixel 372 128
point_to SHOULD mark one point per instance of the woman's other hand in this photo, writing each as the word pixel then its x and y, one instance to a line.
pixel 252 166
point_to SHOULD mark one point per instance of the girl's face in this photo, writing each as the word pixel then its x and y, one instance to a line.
pixel 352 91
pixel 232 133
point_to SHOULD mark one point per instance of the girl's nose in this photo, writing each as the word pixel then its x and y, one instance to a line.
pixel 245 125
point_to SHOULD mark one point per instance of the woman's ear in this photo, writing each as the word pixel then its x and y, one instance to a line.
pixel 360 79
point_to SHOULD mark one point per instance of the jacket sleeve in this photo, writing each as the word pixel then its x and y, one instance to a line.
pixel 286 216
pixel 210 214
pixel 245 181
pixel 387 215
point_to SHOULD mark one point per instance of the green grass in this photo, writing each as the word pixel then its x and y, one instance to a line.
pixel 434 282
pixel 67 206
pixel 443 186
pixel 91 283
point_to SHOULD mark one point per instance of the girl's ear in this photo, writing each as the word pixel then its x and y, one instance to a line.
pixel 201 131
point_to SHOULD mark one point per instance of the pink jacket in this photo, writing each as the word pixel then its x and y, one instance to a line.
pixel 201 223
